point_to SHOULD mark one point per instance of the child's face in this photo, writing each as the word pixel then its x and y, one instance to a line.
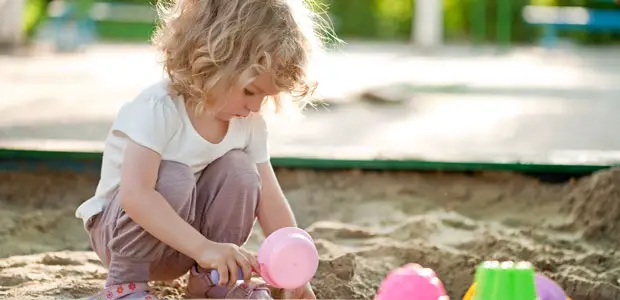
pixel 240 101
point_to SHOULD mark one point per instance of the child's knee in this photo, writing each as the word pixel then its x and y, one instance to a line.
pixel 231 186
pixel 240 172
pixel 176 183
pixel 237 161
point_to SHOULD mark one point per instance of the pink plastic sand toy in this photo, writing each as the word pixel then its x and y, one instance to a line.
pixel 411 282
pixel 288 258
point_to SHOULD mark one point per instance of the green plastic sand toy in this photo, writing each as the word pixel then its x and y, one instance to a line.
pixel 505 281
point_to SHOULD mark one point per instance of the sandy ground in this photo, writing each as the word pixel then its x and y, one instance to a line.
pixel 364 224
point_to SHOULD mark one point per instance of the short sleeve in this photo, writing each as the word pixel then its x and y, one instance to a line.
pixel 258 145
pixel 150 122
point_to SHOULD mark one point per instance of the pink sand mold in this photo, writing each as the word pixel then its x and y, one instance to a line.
pixel 411 282
pixel 288 259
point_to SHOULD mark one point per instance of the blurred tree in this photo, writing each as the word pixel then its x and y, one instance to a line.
pixel 34 15
pixel 392 19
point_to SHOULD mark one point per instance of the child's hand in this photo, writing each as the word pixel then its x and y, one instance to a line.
pixel 226 259
pixel 303 292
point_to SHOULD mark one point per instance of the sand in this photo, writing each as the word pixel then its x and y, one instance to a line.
pixel 365 224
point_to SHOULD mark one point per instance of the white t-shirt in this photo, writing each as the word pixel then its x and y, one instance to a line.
pixel 160 122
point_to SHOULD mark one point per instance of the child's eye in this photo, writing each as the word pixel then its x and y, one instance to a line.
pixel 247 92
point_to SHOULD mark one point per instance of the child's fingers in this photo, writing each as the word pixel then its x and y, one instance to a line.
pixel 246 267
pixel 287 294
pixel 234 273
pixel 222 269
pixel 252 259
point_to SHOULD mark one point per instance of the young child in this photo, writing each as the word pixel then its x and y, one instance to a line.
pixel 186 168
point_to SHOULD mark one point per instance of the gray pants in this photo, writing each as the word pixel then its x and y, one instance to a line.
pixel 222 205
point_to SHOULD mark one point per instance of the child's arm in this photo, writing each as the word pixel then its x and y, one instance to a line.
pixel 274 212
pixel 151 211
pixel 148 208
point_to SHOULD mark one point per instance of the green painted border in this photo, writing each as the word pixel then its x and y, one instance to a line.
pixel 20 156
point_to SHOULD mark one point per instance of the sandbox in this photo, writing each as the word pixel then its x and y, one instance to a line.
pixel 364 224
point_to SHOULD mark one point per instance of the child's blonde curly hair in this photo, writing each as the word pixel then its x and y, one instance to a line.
pixel 206 42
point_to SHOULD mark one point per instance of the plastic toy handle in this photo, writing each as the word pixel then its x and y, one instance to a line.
pixel 215 276
pixel 470 292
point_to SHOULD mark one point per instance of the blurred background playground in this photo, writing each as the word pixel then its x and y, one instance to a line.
pixel 470 21
pixel 428 118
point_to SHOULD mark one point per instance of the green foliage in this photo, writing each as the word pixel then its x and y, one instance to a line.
pixel 34 13
pixel 391 19
pixel 353 18
pixel 394 17
pixel 465 10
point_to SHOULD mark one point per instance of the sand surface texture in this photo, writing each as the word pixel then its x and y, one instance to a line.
pixel 364 224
